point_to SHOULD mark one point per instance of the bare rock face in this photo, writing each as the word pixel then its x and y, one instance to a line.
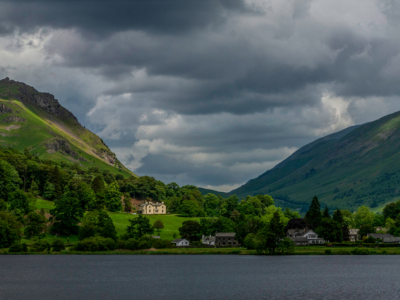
pixel 107 155
pixel 27 94
pixel 4 109
pixel 60 145
pixel 13 119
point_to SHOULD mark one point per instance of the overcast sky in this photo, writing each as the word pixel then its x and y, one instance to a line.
pixel 208 92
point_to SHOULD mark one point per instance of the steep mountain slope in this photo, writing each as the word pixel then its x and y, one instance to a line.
pixel 357 166
pixel 37 121
pixel 204 191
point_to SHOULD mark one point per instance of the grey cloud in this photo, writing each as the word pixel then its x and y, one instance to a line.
pixel 183 87
pixel 100 17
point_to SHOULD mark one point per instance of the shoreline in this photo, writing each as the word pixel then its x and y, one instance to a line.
pixel 307 250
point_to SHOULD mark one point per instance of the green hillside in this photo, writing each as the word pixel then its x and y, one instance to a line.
pixel 357 166
pixel 34 120
pixel 204 191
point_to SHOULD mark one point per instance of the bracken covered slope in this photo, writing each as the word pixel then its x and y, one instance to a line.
pixel 357 166
pixel 37 121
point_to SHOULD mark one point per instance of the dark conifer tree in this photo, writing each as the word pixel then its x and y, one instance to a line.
pixel 314 215
pixel 326 212
pixel 99 189
pixel 57 183
pixel 338 217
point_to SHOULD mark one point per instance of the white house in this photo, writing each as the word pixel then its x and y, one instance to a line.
pixel 208 240
pixel 180 242
pixel 311 236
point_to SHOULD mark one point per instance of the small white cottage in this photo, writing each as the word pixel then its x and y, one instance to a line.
pixel 180 242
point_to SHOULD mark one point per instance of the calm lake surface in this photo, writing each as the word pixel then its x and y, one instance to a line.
pixel 199 277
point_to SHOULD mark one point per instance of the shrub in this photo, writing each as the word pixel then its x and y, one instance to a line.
pixel 360 251
pixel 162 244
pixel 94 244
pixel 328 251
pixel 41 246
pixel 370 240
pixel 132 244
pixel 249 241
pixel 343 252
pixel 18 247
pixel 58 245
pixel 145 242
pixel 121 244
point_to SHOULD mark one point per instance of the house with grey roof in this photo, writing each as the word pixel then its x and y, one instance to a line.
pixel 379 235
pixel 180 242
pixel 226 239
pixel 300 241
pixel 208 240
pixel 391 239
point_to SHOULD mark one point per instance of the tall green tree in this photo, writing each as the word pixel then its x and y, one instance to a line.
pixel 9 180
pixel 98 185
pixel 67 213
pixel 314 215
pixel 339 218
pixel 106 226
pixel 269 238
pixel 330 230
pixel 48 190
pixel 158 225
pixel 113 197
pixel 364 216
pixel 35 224
pixel 190 230
pixel 34 189
pixel 19 200
pixel 56 180
pixel 138 227
pixel 246 225
pixel 326 212
pixel 10 230
pixel 98 188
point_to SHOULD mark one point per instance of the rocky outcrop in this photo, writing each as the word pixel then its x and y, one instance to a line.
pixel 60 145
pixel 4 109
pixel 13 119
pixel 109 156
pixel 20 91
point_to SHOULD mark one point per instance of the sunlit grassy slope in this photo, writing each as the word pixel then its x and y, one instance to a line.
pixel 34 130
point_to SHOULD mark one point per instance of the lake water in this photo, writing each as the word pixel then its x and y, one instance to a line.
pixel 199 277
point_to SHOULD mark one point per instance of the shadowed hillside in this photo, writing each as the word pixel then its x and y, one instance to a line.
pixel 357 166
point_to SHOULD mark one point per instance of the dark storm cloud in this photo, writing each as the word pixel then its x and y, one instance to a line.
pixel 100 17
pixel 210 92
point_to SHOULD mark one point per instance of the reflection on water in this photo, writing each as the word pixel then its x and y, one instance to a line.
pixel 199 277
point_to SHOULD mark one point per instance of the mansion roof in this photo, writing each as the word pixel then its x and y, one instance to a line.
pixel 225 234
pixel 152 204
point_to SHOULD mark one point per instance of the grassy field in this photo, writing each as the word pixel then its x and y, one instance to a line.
pixel 121 220
pixel 47 205
pixel 171 223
